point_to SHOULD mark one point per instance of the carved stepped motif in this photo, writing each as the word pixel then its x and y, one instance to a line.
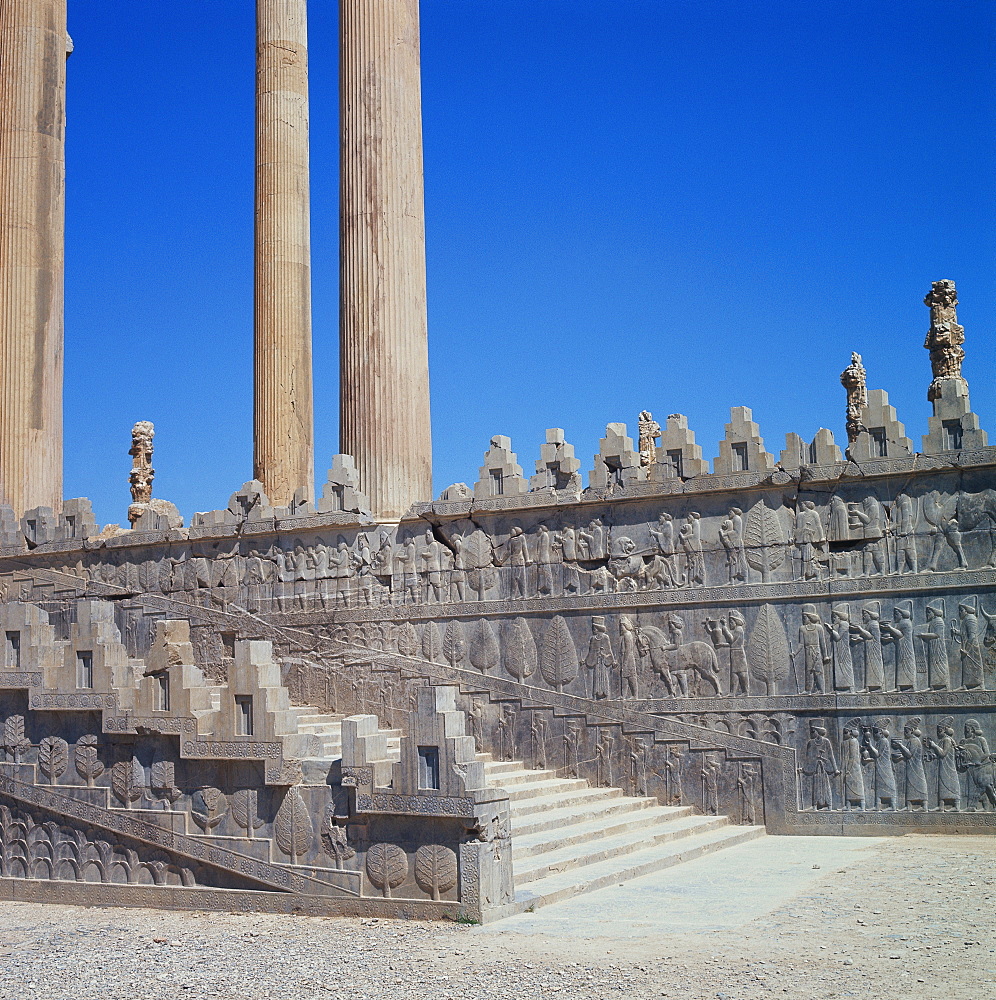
pixel 569 838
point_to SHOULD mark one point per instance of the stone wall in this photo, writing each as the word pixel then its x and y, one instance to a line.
pixel 814 646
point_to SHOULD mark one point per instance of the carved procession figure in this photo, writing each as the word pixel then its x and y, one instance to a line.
pixel 747 783
pixel 599 659
pixel 710 785
pixel 970 633
pixel 839 629
pixel 869 633
pixel 731 535
pixel 323 573
pixel 434 559
pixel 340 561
pixel 567 541
pixel 910 750
pixel 304 574
pixel 735 632
pixel 904 530
pixel 816 654
pixel 944 751
pixel 363 564
pixel 546 556
pixel 690 543
pixel 629 658
pixel 519 562
pixel 458 571
pixel 256 577
pixel 899 632
pixel 934 635
pixel 594 541
pixel 810 540
pixel 852 767
pixel 406 571
pixel 663 571
pixel 878 749
pixel 975 761
pixel 819 765
pixel 868 520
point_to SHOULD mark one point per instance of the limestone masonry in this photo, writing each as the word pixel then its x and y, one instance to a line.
pixel 370 702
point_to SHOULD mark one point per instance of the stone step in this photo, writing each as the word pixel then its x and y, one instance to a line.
pixel 494 768
pixel 598 847
pixel 319 717
pixel 587 828
pixel 559 819
pixel 561 800
pixel 542 787
pixel 566 885
pixel 517 779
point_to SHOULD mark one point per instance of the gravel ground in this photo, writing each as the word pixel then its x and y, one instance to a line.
pixel 904 916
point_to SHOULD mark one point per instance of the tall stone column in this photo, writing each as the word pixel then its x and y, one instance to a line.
pixel 383 345
pixel 34 44
pixel 283 420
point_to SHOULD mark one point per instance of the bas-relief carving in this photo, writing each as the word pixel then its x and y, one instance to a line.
pixel 909 628
pixel 898 764
pixel 814 539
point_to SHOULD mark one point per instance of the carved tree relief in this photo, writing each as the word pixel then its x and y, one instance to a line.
pixel 128 781
pixel 454 645
pixel 408 640
pixel 13 737
pixel 765 540
pixel 484 653
pixel 520 649
pixel 53 757
pixel 244 810
pixel 88 764
pixel 435 869
pixel 387 867
pixel 768 649
pixel 292 825
pixel 559 662
pixel 432 644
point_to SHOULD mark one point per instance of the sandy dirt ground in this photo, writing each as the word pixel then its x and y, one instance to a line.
pixel 779 917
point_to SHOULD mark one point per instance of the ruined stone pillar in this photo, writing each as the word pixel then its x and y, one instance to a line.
pixel 383 345
pixel 34 44
pixel 283 421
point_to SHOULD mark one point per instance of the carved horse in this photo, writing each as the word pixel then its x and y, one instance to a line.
pixel 673 660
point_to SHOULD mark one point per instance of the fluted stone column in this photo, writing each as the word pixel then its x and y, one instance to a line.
pixel 283 421
pixel 33 47
pixel 384 362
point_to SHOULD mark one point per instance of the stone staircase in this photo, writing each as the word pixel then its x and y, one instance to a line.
pixel 328 729
pixel 569 838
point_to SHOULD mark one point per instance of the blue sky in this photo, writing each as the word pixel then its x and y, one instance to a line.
pixel 680 206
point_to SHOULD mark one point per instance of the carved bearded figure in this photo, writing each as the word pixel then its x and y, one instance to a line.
pixel 944 751
pixel 599 659
pixel 851 766
pixel 819 765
